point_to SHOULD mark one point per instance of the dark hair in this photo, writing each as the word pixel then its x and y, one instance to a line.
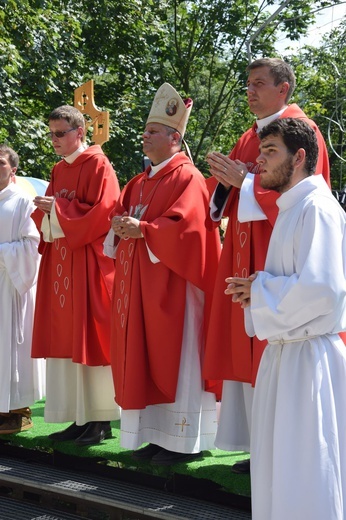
pixel 71 114
pixel 12 155
pixel 279 69
pixel 295 134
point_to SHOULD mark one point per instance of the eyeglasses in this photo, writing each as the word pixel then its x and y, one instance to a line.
pixel 59 133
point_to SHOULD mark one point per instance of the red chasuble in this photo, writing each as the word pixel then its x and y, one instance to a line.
pixel 149 298
pixel 73 304
pixel 230 353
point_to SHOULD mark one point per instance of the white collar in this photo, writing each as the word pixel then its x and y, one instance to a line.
pixel 73 156
pixel 261 123
pixel 158 167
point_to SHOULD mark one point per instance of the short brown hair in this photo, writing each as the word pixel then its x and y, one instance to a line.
pixel 279 69
pixel 12 155
pixel 71 114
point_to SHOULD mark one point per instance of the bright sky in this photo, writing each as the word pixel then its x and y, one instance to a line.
pixel 326 20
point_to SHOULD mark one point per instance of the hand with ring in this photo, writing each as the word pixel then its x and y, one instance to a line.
pixel 225 170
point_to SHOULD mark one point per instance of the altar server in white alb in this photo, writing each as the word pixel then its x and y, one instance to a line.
pixel 22 379
pixel 298 303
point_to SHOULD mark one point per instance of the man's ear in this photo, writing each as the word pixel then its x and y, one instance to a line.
pixel 284 88
pixel 300 156
pixel 81 133
pixel 175 137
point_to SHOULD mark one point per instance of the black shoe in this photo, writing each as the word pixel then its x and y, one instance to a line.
pixel 147 452
pixel 242 467
pixel 95 433
pixel 168 458
pixel 69 434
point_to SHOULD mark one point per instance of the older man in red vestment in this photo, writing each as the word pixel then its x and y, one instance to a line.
pixel 72 319
pixel 166 262
pixel 231 355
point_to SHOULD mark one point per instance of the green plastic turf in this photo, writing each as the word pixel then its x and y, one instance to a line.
pixel 215 465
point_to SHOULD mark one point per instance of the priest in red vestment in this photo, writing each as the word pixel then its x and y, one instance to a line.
pixel 232 356
pixel 72 324
pixel 166 262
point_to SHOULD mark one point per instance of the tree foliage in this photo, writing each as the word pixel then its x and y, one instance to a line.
pixel 322 91
pixel 129 48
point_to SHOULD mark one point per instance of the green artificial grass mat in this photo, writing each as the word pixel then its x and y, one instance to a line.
pixel 215 465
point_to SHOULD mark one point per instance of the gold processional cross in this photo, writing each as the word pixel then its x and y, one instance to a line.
pixel 84 102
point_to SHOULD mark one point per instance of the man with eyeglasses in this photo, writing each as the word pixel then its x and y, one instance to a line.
pixel 72 318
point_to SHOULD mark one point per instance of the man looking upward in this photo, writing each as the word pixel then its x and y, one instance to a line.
pixel 298 303
pixel 231 355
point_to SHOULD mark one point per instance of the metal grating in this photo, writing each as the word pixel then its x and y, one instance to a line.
pixel 14 510
pixel 107 494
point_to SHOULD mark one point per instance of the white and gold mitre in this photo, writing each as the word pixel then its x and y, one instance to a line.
pixel 170 109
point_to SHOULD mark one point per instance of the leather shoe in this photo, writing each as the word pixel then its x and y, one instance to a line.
pixel 95 433
pixel 168 458
pixel 69 434
pixel 147 452
pixel 242 467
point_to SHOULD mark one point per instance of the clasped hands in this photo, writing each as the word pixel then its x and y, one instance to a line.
pixel 44 203
pixel 240 289
pixel 126 227
pixel 226 171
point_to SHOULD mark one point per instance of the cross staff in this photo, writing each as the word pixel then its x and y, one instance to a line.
pixel 84 102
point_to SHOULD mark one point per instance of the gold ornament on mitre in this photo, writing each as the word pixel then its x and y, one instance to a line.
pixel 170 109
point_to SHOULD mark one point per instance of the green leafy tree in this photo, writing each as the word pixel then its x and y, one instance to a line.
pixel 129 48
pixel 207 56
pixel 40 70
pixel 51 47
pixel 322 91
